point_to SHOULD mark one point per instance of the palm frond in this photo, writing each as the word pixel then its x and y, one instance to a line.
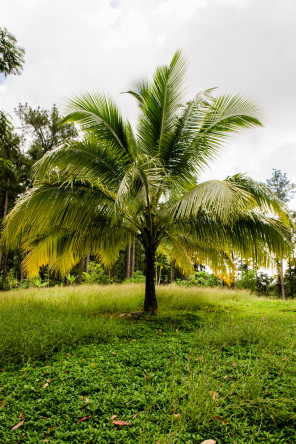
pixel 89 159
pixel 249 237
pixel 139 187
pixel 264 197
pixel 99 115
pixel 226 116
pixel 200 130
pixel 228 200
pixel 59 249
pixel 140 90
pixel 221 199
pixel 209 242
pixel 162 102
pixel 62 249
pixel 187 250
pixel 56 206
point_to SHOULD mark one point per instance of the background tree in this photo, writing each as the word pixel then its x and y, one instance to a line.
pixel 43 129
pixel 14 173
pixel 284 189
pixel 91 195
pixel 11 55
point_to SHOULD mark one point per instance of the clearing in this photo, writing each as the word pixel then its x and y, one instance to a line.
pixel 213 364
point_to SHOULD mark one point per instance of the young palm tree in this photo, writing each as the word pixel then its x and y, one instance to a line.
pixel 91 195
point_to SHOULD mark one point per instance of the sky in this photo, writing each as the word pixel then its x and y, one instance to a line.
pixel 240 46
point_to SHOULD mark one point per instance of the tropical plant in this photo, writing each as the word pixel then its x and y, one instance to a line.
pixel 90 195
pixel 71 279
pixel 37 282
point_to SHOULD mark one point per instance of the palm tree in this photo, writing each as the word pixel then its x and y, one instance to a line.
pixel 92 195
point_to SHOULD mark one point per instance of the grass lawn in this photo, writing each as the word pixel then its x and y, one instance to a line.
pixel 213 364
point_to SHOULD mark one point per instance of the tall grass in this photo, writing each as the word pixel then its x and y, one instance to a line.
pixel 37 322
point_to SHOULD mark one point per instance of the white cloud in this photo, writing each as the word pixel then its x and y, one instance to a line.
pixel 242 46
pixel 180 10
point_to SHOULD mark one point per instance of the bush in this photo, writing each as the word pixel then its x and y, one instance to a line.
pixel 11 281
pixel 200 279
pixel 138 278
pixel 247 280
pixel 96 275
pixel 260 283
pixel 37 282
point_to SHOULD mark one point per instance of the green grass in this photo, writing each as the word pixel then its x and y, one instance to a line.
pixel 214 363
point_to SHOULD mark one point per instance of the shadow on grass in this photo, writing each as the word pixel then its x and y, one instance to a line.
pixel 186 322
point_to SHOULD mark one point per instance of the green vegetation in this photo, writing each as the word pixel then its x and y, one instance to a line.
pixel 11 55
pixel 95 194
pixel 82 363
pixel 214 364
pixel 200 279
pixel 95 275
pixel 138 278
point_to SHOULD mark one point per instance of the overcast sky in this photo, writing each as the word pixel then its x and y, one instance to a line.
pixel 239 46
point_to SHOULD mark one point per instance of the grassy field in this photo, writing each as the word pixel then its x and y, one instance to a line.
pixel 213 364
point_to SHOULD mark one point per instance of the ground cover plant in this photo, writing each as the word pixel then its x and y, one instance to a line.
pixel 213 363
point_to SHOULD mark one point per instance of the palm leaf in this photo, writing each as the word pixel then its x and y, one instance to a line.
pixel 99 115
pixel 90 160
pixel 158 110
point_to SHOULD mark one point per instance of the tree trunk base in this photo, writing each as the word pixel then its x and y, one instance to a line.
pixel 150 307
pixel 150 304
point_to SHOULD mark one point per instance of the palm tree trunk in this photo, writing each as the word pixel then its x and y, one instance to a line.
pixel 172 272
pixel 128 258
pixel 291 280
pixel 6 198
pixel 150 303
pixel 80 268
pixel 282 283
pixel 134 256
pixel 5 267
pixel 87 262
pixel 281 279
pixel 4 215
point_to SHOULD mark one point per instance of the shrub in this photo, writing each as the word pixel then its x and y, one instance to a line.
pixel 11 281
pixel 260 283
pixel 247 280
pixel 96 275
pixel 200 279
pixel 138 278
